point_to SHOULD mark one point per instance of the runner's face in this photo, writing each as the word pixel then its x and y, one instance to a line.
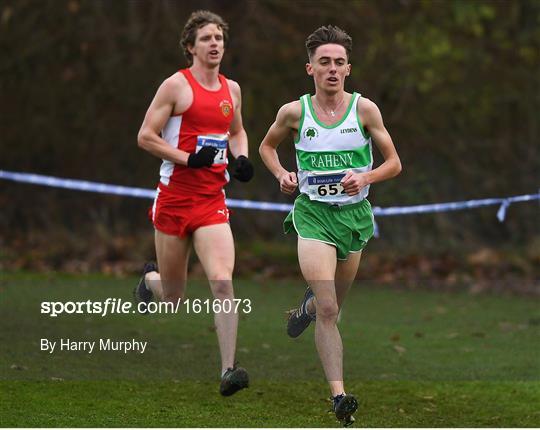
pixel 329 67
pixel 209 45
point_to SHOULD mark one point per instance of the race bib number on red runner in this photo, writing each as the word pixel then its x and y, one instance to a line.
pixel 218 141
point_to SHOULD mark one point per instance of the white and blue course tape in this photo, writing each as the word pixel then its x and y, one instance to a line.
pixel 97 187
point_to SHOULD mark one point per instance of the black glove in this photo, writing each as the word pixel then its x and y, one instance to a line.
pixel 203 158
pixel 242 169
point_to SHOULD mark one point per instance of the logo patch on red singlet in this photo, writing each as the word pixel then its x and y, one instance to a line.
pixel 226 107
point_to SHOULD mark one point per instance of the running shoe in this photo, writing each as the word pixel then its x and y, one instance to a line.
pixel 140 292
pixel 300 318
pixel 344 406
pixel 234 379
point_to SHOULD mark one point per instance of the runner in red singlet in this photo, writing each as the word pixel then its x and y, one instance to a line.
pixel 192 123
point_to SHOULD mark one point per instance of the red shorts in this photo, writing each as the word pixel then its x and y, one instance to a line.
pixel 180 215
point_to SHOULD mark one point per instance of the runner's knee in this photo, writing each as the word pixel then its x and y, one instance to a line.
pixel 220 274
pixel 327 310
pixel 222 289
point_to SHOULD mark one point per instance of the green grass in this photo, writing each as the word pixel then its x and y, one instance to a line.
pixel 413 358
pixel 266 404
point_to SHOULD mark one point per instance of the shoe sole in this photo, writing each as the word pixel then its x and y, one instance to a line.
pixel 292 332
pixel 347 407
pixel 348 422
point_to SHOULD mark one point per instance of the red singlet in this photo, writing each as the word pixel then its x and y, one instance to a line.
pixel 210 113
pixel 191 198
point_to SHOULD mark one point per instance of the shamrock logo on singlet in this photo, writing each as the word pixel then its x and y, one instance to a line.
pixel 311 133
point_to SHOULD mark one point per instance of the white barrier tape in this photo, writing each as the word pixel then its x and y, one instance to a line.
pixel 75 184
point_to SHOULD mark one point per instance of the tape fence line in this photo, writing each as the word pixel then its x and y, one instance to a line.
pixel 97 187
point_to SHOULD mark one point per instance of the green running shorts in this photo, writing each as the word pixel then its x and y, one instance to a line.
pixel 348 228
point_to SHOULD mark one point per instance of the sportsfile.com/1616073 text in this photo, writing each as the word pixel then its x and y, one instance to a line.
pixel 111 306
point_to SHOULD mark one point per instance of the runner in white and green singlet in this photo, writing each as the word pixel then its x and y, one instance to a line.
pixel 333 134
pixel 325 152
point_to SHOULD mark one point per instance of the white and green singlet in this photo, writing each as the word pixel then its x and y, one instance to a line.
pixel 324 153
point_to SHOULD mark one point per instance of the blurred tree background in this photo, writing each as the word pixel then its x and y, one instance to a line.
pixel 458 84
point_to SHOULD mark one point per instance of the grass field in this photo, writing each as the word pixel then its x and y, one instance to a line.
pixel 413 358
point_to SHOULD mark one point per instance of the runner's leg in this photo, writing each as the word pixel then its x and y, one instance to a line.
pixel 214 246
pixel 318 264
pixel 172 253
pixel 345 275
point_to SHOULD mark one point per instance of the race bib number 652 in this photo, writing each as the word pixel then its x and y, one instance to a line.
pixel 326 185
pixel 218 141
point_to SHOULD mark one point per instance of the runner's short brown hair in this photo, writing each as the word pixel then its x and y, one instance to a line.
pixel 328 34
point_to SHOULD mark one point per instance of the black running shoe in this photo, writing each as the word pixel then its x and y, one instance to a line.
pixel 233 380
pixel 140 292
pixel 300 319
pixel 344 406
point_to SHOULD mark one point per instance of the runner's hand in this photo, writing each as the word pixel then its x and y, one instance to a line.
pixel 288 182
pixel 354 182
pixel 203 158
pixel 242 169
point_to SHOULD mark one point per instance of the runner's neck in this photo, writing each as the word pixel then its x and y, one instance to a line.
pixel 206 77
pixel 331 105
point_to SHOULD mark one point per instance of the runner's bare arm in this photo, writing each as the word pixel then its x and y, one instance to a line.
pixel 371 118
pixel 287 121
pixel 162 107
pixel 238 140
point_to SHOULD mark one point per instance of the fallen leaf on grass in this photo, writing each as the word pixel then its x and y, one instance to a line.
pixel 399 349
pixel 18 367
pixel 441 310
pixel 506 326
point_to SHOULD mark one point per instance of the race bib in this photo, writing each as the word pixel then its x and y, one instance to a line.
pixel 218 141
pixel 325 185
